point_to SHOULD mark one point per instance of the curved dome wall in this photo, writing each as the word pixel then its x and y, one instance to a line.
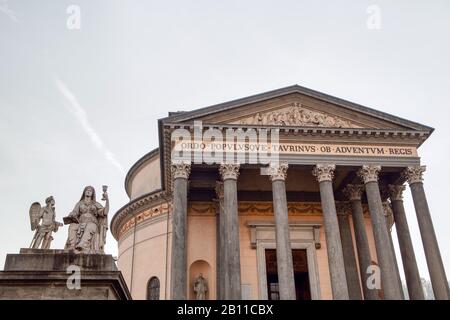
pixel 145 176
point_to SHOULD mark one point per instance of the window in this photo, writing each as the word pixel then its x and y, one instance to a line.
pixel 153 289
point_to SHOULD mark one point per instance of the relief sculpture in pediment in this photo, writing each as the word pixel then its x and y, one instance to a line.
pixel 297 115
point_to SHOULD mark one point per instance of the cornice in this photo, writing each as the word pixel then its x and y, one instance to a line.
pixel 419 135
pixel 131 208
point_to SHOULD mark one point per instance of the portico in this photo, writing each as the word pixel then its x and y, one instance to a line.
pixel 297 214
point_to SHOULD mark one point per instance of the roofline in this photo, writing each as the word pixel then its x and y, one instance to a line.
pixel 136 166
pixel 185 116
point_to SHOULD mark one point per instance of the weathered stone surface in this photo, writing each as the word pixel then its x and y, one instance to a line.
pixel 284 253
pixel 57 260
pixel 179 253
pixel 42 275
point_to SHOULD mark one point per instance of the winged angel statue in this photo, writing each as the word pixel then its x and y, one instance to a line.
pixel 43 231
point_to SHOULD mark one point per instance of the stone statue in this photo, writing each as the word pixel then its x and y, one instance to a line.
pixel 46 215
pixel 200 288
pixel 88 223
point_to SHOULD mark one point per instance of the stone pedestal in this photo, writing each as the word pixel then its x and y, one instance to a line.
pixel 43 275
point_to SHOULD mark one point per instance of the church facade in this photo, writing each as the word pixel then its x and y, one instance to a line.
pixel 288 194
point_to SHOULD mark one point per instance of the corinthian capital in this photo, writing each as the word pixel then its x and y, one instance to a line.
pixel 369 173
pixel 181 170
pixel 414 174
pixel 229 171
pixel 353 191
pixel 278 171
pixel 324 172
pixel 396 191
pixel 343 208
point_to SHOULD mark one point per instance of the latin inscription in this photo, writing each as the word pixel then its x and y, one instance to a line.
pixel 301 149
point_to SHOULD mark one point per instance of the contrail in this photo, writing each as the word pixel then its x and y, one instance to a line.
pixel 80 114
pixel 7 10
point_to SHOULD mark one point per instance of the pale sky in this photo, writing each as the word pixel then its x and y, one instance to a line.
pixel 80 106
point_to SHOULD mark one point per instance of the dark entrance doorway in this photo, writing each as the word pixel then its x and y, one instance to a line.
pixel 301 277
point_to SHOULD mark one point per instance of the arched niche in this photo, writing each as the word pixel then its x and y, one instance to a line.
pixel 196 268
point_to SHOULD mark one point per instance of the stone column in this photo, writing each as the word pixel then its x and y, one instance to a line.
pixel 389 219
pixel 178 278
pixel 389 282
pixel 348 251
pixel 353 192
pixel 229 173
pixel 430 244
pixel 412 275
pixel 220 255
pixel 324 174
pixel 285 265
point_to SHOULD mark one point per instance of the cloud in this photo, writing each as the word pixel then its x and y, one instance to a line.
pixel 80 114
pixel 4 8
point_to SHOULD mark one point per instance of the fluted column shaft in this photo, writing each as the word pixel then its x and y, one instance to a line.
pixel 353 193
pixel 348 251
pixel 178 279
pixel 388 216
pixel 285 265
pixel 390 285
pixel 324 175
pixel 412 275
pixel 430 244
pixel 232 265
pixel 221 246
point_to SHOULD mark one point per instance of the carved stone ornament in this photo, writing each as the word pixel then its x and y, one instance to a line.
pixel 278 171
pixel 324 172
pixel 229 171
pixel 151 212
pixel 343 208
pixel 353 191
pixel 219 190
pixel 388 214
pixel 297 115
pixel 396 192
pixel 414 174
pixel 181 170
pixel 369 173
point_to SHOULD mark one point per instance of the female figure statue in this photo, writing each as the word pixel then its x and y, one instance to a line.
pixel 88 223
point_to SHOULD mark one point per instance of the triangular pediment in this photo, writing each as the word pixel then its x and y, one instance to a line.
pixel 296 115
pixel 295 107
